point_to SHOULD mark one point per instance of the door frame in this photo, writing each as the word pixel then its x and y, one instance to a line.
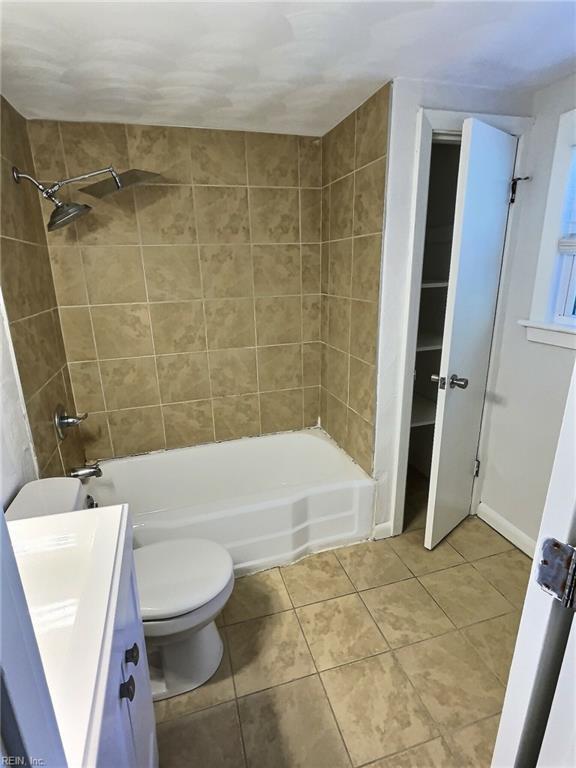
pixel 430 122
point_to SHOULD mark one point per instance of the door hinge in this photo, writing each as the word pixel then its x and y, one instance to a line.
pixel 514 185
pixel 556 572
pixel 476 467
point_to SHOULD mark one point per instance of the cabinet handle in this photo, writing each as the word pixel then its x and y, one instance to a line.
pixel 128 689
pixel 132 655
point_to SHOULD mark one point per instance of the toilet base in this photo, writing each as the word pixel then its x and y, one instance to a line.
pixel 185 664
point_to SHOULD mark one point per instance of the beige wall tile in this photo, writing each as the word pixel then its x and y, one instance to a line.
pixel 233 371
pixel 68 274
pixel 46 150
pixel 114 274
pixel 41 417
pixel 341 207
pixel 281 411
pixel 183 377
pixel 226 270
pixel 96 437
pixel 311 215
pixel 311 318
pixel 362 388
pixel 162 150
pixel 340 268
pixel 366 267
pixel 20 215
pixel 26 279
pixel 364 330
pixel 369 198
pixel 310 268
pixel 14 141
pixel 338 150
pixel 310 154
pixel 120 331
pixel 72 452
pixel 311 363
pixel 335 372
pixel 172 272
pixel 272 159
pixel 236 416
pixel 86 386
pixel 278 320
pixel 112 221
pixel 129 383
pixel 38 350
pixel 90 146
pixel 166 214
pixel 53 467
pixel 137 430
pixel 338 322
pixel 280 367
pixel 334 415
pixel 274 215
pixel 218 157
pixel 222 214
pixel 178 327
pixel 276 269
pixel 311 406
pixel 360 441
pixel 77 333
pixel 326 213
pixel 188 423
pixel 230 323
pixel 372 127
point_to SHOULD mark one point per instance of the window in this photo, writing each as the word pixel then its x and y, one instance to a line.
pixel 565 288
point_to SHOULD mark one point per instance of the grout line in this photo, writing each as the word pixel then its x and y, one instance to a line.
pixel 249 207
pixel 301 285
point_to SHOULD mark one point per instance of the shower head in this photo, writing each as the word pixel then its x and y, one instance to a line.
pixel 65 213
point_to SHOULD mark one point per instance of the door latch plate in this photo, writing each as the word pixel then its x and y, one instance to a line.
pixel 556 572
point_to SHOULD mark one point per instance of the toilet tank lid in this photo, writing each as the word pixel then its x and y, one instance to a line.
pixel 48 496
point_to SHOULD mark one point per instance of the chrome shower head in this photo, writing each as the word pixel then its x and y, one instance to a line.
pixel 65 213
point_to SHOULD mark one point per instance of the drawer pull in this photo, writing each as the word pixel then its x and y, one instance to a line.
pixel 128 689
pixel 132 655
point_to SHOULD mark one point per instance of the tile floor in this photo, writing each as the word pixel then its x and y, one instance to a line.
pixel 381 654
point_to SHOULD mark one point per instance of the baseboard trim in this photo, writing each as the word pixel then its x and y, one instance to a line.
pixel 505 527
pixel 382 530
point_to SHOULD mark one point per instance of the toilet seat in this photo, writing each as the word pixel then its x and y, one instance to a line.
pixel 180 576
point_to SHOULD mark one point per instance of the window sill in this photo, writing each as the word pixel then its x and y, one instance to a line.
pixel 550 333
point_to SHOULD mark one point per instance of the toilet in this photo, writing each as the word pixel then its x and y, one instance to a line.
pixel 183 585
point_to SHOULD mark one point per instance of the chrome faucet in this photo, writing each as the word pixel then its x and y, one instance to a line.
pixel 83 473
pixel 62 421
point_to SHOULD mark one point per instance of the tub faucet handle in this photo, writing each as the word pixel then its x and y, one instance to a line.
pixel 63 421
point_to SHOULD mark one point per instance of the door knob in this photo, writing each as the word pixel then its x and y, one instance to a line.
pixel 440 380
pixel 131 655
pixel 457 381
pixel 128 689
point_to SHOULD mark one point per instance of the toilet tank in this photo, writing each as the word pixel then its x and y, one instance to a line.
pixel 48 497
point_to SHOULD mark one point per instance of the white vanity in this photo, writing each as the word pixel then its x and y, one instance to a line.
pixel 77 571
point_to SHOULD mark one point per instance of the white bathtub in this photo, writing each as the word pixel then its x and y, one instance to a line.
pixel 269 500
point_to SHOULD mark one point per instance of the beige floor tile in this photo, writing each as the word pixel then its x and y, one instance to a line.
pixel 376 708
pixel 509 573
pixel 291 726
pixel 372 564
pixel 410 548
pixel 495 640
pixel 267 652
pixel 218 689
pixel 433 754
pixel 453 682
pixel 316 578
pixel 258 595
pixel 473 538
pixel 339 631
pixel 473 745
pixel 465 595
pixel 208 738
pixel 406 613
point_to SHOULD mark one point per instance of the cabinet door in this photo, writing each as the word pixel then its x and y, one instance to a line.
pixel 116 746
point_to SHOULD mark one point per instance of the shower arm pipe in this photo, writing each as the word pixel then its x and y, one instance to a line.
pixel 50 191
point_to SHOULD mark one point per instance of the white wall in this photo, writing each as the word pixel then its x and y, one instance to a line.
pixel 408 96
pixel 528 381
pixel 17 462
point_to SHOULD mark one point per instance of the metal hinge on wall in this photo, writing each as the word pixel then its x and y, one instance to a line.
pixel 514 185
pixel 476 467
pixel 556 572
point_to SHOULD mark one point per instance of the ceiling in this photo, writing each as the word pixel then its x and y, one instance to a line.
pixel 266 66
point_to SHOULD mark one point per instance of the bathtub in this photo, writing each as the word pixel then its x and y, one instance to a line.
pixel 269 500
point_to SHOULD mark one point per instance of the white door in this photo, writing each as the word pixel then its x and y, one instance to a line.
pixel 537 727
pixel 486 166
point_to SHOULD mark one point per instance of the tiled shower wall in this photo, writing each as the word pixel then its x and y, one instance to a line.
pixel 28 293
pixel 354 179
pixel 190 310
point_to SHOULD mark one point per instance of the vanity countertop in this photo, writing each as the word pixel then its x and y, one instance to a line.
pixel 69 566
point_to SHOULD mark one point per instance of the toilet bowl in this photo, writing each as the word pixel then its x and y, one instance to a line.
pixel 183 586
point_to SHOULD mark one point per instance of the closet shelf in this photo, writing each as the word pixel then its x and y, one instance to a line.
pixel 435 284
pixel 423 411
pixel 428 341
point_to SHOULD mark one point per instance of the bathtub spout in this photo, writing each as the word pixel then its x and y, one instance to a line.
pixel 83 473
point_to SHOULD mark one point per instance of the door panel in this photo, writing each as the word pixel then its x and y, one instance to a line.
pixel 486 167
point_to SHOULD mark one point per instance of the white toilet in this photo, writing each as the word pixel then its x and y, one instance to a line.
pixel 183 585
